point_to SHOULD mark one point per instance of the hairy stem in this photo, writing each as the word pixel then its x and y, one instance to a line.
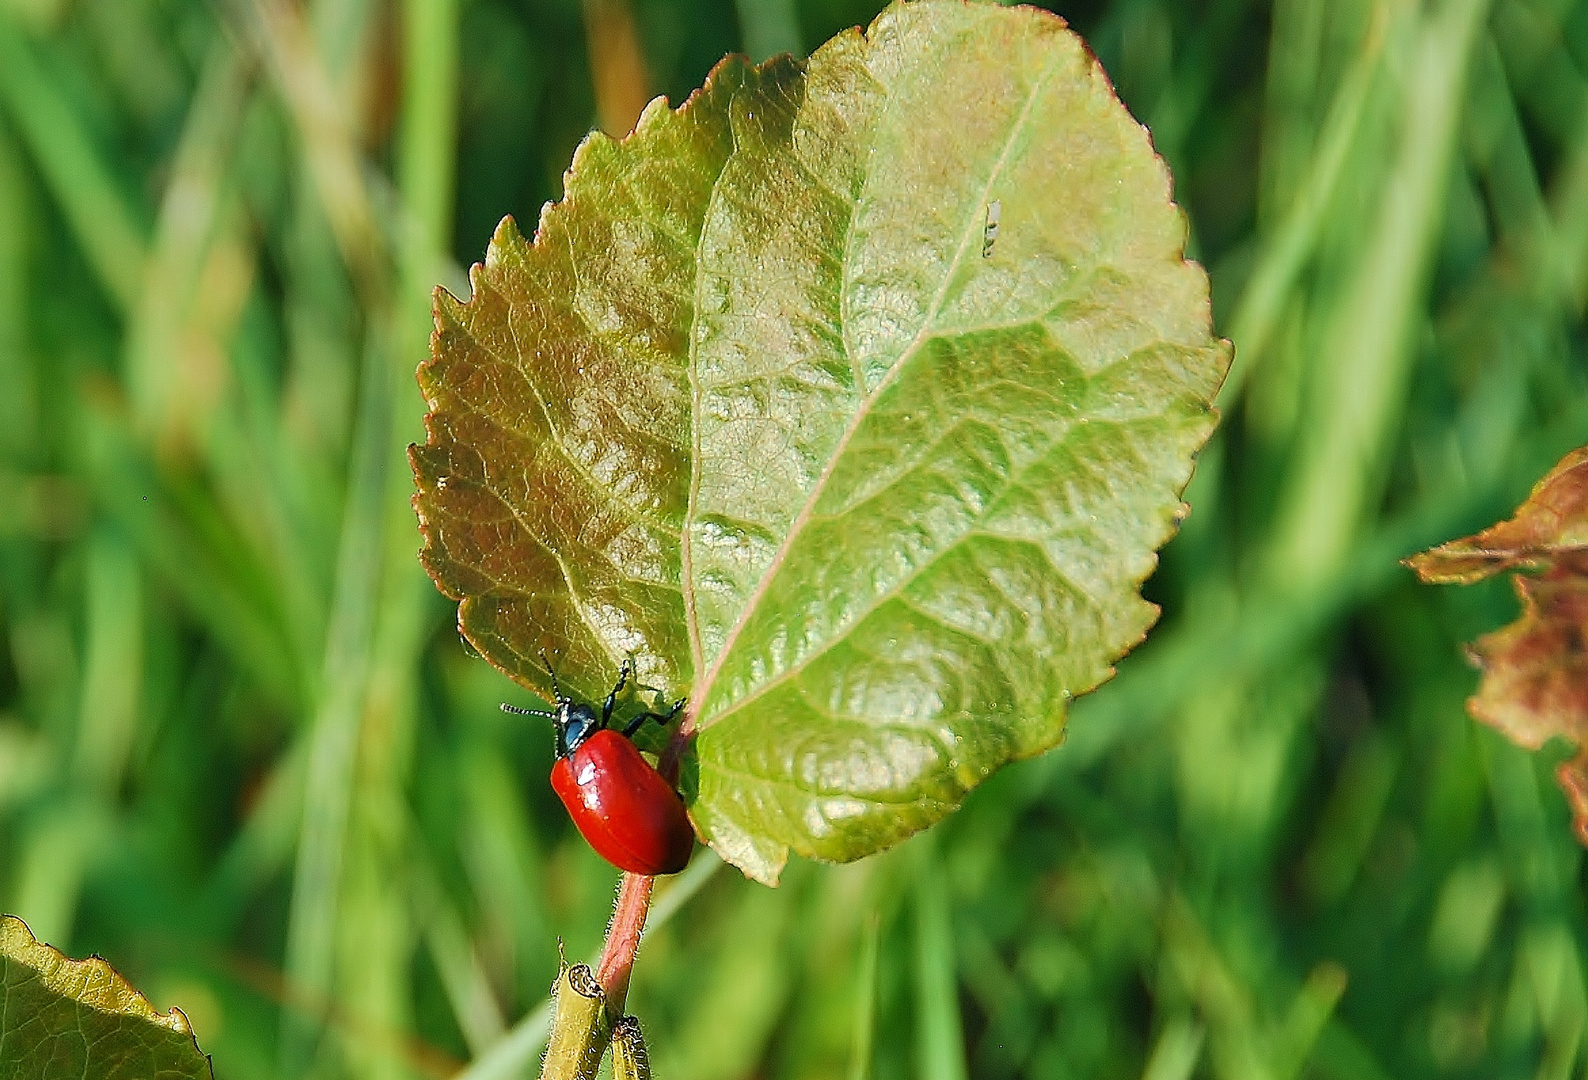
pixel 623 939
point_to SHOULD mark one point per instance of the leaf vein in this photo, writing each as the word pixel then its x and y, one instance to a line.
pixel 698 697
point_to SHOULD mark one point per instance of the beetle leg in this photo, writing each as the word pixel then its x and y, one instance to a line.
pixel 612 698
pixel 556 692
pixel 638 721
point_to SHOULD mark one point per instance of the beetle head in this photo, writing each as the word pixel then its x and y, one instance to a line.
pixel 575 722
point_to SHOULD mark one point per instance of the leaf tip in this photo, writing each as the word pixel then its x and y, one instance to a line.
pixel 507 246
pixel 760 859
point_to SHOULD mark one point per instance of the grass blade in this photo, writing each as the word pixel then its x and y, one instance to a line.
pixel 101 215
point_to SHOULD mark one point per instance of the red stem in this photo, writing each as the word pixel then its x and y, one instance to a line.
pixel 673 756
pixel 623 939
pixel 634 902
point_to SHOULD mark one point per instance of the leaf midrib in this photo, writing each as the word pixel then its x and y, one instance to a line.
pixel 703 685
pixel 899 592
pixel 809 792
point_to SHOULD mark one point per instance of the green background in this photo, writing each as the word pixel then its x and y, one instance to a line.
pixel 244 756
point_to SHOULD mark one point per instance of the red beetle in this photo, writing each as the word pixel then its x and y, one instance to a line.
pixel 629 814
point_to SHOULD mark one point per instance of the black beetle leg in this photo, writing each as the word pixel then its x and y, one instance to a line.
pixel 638 721
pixel 612 698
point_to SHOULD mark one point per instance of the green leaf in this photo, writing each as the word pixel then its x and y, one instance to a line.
pixel 71 1019
pixel 854 399
pixel 630 1059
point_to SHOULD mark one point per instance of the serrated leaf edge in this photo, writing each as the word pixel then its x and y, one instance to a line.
pixel 74 979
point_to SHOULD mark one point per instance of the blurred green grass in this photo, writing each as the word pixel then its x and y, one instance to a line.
pixel 244 756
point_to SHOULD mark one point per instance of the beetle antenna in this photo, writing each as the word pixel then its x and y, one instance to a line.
pixel 553 673
pixel 527 712
pixel 612 698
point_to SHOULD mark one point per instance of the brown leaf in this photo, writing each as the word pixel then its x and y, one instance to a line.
pixel 1535 671
pixel 1553 521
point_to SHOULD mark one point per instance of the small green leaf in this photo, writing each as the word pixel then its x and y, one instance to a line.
pixel 630 1059
pixel 66 1019
pixel 854 399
